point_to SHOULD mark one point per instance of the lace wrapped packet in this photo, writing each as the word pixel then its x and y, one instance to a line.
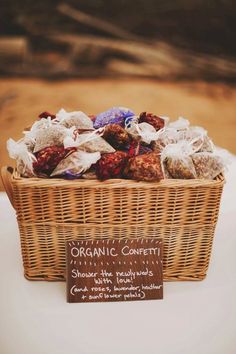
pixel 75 164
pixel 179 124
pixel 198 138
pixel 29 142
pixel 165 137
pixel 19 151
pixel 51 136
pixel 76 119
pixel 209 165
pixel 143 132
pixel 176 159
pixel 89 142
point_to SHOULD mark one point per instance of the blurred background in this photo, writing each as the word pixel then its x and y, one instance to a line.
pixel 168 57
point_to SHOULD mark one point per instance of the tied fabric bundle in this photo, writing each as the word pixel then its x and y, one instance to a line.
pixel 111 165
pixel 48 158
pixel 115 115
pixel 116 143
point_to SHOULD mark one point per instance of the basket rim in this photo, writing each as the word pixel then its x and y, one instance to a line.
pixel 36 182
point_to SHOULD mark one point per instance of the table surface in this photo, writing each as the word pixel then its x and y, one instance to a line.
pixel 193 318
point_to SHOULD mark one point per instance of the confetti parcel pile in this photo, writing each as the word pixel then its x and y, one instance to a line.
pixel 116 143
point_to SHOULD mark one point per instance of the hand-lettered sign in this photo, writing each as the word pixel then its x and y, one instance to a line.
pixel 114 270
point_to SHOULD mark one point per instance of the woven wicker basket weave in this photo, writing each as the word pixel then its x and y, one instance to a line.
pixel 183 213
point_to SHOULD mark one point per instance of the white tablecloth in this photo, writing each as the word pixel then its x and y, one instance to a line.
pixel 193 318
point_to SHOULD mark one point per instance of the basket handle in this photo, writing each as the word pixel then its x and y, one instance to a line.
pixel 6 174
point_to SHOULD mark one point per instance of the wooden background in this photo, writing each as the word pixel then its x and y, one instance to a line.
pixel 168 57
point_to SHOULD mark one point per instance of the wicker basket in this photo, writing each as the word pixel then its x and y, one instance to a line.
pixel 183 213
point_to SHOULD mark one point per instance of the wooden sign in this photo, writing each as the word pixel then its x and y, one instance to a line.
pixel 114 270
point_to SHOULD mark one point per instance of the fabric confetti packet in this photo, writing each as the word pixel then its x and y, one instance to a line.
pixel 19 151
pixel 152 119
pixel 89 142
pixel 116 136
pixel 177 160
pixel 111 165
pixel 115 115
pixel 146 167
pixel 48 158
pixel 75 119
pixel 76 163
